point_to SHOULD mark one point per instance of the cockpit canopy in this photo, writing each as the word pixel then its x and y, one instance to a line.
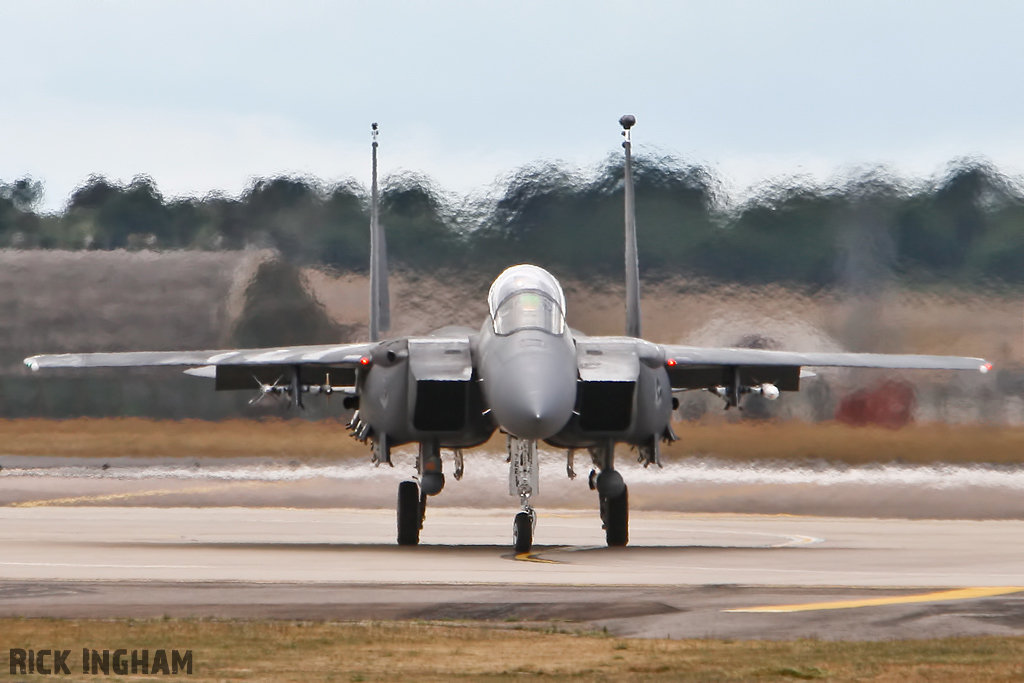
pixel 526 297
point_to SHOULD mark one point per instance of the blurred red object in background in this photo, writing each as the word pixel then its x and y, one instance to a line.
pixel 890 404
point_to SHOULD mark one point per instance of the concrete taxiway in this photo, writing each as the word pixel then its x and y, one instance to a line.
pixel 888 551
pixel 472 546
pixel 684 575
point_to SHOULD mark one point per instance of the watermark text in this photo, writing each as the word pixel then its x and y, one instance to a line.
pixel 120 662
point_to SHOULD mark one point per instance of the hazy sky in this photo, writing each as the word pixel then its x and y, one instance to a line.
pixel 205 95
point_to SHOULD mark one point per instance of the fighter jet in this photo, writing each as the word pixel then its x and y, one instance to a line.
pixel 524 372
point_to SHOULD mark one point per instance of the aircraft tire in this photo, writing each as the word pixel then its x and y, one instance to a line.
pixel 616 519
pixel 522 533
pixel 409 515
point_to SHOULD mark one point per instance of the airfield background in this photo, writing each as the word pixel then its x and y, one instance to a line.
pixel 875 263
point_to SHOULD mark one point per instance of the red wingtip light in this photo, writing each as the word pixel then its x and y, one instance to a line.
pixel 365 360
pixel 670 362
pixel 986 367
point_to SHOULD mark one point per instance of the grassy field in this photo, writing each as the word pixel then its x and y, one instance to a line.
pixel 328 440
pixel 836 442
pixel 137 437
pixel 328 651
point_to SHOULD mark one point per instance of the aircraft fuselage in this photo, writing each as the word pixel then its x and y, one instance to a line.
pixel 524 372
pixel 529 380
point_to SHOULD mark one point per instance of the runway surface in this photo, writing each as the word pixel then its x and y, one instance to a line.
pixel 117 543
pixel 681 576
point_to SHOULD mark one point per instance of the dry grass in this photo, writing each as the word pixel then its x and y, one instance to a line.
pixel 837 442
pixel 328 440
pixel 326 651
pixel 138 437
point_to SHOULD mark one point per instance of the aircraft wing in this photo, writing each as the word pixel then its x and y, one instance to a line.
pixel 695 368
pixel 696 356
pixel 707 368
pixel 327 354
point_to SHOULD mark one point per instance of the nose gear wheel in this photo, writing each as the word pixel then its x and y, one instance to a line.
pixel 522 531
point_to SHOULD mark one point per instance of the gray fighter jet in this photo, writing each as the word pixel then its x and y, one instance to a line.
pixel 524 372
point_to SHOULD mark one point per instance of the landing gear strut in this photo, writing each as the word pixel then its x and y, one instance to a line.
pixel 523 481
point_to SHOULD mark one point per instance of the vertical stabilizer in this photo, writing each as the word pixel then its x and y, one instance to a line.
pixel 380 308
pixel 632 259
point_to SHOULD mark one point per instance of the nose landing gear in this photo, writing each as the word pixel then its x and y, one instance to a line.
pixel 523 481
pixel 522 530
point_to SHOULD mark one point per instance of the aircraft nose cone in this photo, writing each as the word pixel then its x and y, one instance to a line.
pixel 537 414
pixel 533 398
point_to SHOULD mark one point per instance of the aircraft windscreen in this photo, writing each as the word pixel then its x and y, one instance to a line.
pixel 528 310
pixel 526 297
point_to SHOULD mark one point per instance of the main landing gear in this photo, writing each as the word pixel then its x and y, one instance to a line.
pixel 613 495
pixel 412 495
pixel 615 519
pixel 411 509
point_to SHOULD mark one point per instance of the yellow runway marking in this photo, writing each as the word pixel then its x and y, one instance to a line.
pixel 958 594
pixel 75 500
pixel 529 557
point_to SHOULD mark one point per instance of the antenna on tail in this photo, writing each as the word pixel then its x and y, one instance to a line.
pixel 632 259
pixel 380 308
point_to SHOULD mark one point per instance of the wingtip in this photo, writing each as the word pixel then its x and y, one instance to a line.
pixel 985 367
pixel 32 364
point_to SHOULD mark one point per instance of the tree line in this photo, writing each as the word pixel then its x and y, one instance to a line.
pixel 965 226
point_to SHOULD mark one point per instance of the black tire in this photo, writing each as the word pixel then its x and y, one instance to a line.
pixel 522 533
pixel 615 512
pixel 409 515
